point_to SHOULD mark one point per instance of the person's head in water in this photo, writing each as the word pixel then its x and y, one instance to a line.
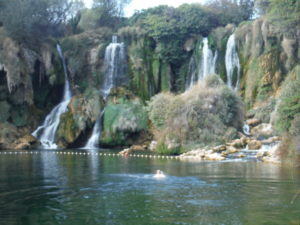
pixel 159 172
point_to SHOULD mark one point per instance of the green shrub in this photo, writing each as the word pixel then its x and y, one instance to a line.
pixel 200 117
pixel 163 149
pixel 158 109
pixel 289 103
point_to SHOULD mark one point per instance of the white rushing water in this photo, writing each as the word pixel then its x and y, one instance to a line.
pixel 232 63
pixel 246 129
pixel 208 61
pixel 114 61
pixel 46 132
pixel 93 142
pixel 207 65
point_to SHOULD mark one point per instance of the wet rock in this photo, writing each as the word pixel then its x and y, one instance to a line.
pixel 250 115
pixel 125 152
pixel 83 111
pixel 231 150
pixel 202 154
pixel 27 142
pixel 138 147
pixel 262 130
pixel 153 146
pixel 213 156
pixel 269 153
pixel 219 148
pixel 125 121
pixel 271 140
pixel 239 143
pixel 8 135
pixel 254 145
pixel 253 122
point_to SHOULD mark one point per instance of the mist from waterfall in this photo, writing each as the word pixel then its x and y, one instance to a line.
pixel 232 63
pixel 46 132
pixel 207 65
pixel 115 66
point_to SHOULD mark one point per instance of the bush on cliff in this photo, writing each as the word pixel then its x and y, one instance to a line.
pixel 209 114
pixel 288 107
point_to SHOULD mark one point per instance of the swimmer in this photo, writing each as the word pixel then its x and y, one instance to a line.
pixel 159 174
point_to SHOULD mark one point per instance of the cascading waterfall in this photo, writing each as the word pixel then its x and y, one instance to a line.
pixel 46 132
pixel 192 74
pixel 208 61
pixel 115 63
pixel 206 67
pixel 232 63
pixel 246 129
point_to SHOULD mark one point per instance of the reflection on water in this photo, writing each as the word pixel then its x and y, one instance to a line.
pixel 51 189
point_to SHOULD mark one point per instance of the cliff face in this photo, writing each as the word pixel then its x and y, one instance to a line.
pixel 32 79
pixel 267 56
pixel 29 85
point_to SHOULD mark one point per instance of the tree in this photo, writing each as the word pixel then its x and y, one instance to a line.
pixel 261 6
pixel 28 21
pixel 231 11
pixel 285 14
pixel 109 12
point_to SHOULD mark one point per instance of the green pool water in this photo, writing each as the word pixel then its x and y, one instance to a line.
pixel 47 188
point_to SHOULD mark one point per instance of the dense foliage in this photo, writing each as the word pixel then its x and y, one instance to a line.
pixel 228 11
pixel 104 13
pixel 288 108
pixel 31 20
pixel 209 114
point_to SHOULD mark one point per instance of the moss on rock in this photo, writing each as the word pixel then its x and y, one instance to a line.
pixel 75 124
pixel 124 121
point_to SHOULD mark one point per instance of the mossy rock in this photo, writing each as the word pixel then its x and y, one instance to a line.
pixel 124 120
pixel 83 111
pixel 4 113
pixel 19 115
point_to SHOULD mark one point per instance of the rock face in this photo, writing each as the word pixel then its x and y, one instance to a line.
pixel 125 120
pixel 267 55
pixel 83 111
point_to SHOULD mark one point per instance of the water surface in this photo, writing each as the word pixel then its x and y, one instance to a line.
pixel 49 188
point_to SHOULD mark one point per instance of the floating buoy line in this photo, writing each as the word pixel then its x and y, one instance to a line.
pixel 101 154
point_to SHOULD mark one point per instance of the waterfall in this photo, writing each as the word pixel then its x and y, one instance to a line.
pixel 46 132
pixel 192 74
pixel 115 65
pixel 208 61
pixel 93 141
pixel 206 67
pixel 232 63
pixel 246 129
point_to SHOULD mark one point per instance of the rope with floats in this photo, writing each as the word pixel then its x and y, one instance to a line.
pixel 101 154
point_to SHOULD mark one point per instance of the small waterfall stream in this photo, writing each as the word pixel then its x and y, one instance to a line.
pixel 206 67
pixel 115 62
pixel 208 61
pixel 232 63
pixel 46 132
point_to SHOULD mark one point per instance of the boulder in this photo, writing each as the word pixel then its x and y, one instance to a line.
pixel 231 150
pixel 253 122
pixel 83 111
pixel 271 140
pixel 27 142
pixel 153 145
pixel 125 121
pixel 238 143
pixel 214 156
pixel 219 148
pixel 254 145
pixel 262 130
pixel 8 135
